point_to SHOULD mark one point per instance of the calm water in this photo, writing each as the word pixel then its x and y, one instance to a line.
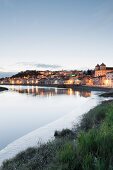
pixel 26 108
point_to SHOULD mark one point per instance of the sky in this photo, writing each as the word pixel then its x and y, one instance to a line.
pixel 55 34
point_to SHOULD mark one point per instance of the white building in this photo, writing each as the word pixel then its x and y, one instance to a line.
pixel 109 79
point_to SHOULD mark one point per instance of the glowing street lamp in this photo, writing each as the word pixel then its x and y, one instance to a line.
pixel 12 82
pixel 106 82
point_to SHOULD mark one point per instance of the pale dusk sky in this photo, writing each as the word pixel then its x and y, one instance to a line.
pixel 55 34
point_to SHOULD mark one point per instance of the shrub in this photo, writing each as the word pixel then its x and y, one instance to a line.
pixel 64 133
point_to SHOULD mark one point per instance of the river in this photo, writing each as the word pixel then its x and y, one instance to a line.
pixel 28 112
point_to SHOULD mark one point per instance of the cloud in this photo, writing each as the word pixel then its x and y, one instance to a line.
pixel 34 65
pixel 22 66
pixel 6 74
pixel 48 66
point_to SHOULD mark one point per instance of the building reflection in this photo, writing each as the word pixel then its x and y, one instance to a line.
pixel 37 91
pixel 85 93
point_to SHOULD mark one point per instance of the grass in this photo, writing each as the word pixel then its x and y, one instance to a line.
pixel 89 146
pixel 109 94
pixel 3 88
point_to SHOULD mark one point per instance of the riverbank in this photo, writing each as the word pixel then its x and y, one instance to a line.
pixel 72 86
pixel 3 89
pixel 81 87
pixel 108 94
pixel 86 147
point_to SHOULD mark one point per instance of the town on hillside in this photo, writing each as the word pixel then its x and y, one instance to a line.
pixel 100 76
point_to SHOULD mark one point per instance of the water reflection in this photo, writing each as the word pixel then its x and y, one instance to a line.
pixel 22 113
pixel 40 91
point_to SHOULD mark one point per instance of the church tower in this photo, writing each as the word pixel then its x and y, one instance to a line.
pixel 97 67
pixel 102 66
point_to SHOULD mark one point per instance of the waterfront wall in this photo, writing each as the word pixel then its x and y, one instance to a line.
pixel 72 86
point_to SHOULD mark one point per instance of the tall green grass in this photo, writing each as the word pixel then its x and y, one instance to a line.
pixel 89 147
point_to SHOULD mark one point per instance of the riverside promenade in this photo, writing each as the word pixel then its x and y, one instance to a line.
pixel 72 86
pixel 80 87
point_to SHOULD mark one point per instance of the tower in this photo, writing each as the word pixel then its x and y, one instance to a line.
pixel 102 66
pixel 97 67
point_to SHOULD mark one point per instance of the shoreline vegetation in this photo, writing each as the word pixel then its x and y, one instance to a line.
pixel 86 146
pixel 3 89
pixel 108 94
